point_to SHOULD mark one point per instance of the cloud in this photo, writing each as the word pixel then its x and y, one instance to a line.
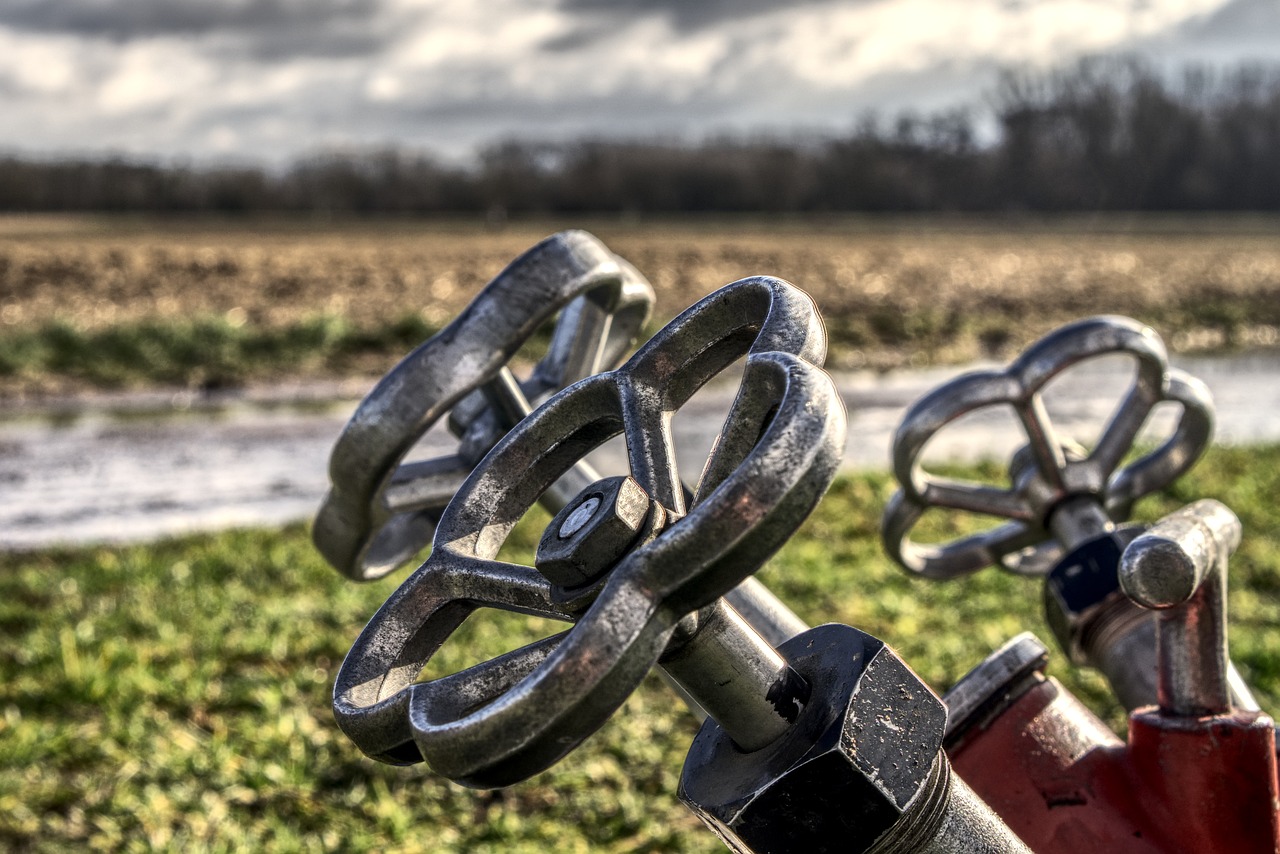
pixel 265 29
pixel 276 78
pixel 683 14
pixel 1239 29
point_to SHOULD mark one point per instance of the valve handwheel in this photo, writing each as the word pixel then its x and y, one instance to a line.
pixel 1045 474
pixel 506 719
pixel 379 512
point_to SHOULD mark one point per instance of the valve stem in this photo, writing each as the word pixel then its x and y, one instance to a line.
pixel 741 681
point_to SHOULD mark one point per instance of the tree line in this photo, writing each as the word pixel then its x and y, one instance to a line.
pixel 1105 134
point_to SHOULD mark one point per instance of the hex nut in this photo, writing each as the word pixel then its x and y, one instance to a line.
pixel 1083 591
pixel 592 532
pixel 850 767
pixel 1026 479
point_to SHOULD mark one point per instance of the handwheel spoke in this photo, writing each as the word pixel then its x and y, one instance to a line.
pixel 1120 433
pixel 622 571
pixel 507 399
pixel 1046 449
pixel 568 486
pixel 977 498
pixel 425 484
pixel 1178 453
pixel 1047 476
pixel 379 675
pixel 456 695
pixel 650 448
pixel 577 346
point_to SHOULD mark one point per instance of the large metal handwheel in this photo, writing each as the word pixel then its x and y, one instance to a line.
pixel 380 512
pixel 506 719
pixel 1046 474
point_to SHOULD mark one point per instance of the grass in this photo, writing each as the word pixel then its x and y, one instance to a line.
pixel 177 695
pixel 892 291
pixel 206 353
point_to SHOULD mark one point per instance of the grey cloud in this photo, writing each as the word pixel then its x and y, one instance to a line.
pixel 265 29
pixel 685 15
pixel 579 37
pixel 1238 31
pixel 1238 19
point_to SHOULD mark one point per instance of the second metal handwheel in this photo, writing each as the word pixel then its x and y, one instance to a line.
pixel 379 511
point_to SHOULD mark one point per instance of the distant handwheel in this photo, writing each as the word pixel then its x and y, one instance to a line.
pixel 1046 473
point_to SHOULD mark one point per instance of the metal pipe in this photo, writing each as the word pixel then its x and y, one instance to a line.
pixel 737 677
pixel 1179 568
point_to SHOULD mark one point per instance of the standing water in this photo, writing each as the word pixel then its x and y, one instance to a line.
pixel 136 468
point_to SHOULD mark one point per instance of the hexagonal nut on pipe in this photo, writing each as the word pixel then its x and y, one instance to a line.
pixel 862 760
pixel 1082 592
pixel 592 532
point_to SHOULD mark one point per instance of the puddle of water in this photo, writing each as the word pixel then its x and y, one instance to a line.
pixel 119 474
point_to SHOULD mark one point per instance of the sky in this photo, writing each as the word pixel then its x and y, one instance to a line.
pixel 271 80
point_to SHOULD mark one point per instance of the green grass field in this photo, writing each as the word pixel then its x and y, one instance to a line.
pixel 177 695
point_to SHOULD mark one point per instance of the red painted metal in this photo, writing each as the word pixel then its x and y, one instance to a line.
pixel 1064 783
pixel 1213 778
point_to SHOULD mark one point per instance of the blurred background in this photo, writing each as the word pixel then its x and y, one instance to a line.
pixel 573 106
pixel 221 221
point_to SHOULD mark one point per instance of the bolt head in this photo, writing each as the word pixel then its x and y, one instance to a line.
pixel 848 769
pixel 593 532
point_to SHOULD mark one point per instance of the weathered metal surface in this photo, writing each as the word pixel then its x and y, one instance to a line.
pixel 1208 783
pixel 1209 766
pixel 379 513
pixel 1049 767
pixel 736 677
pixel 859 770
pixel 1198 774
pixel 986 691
pixel 1083 587
pixel 1051 477
pixel 1179 568
pixel 504 720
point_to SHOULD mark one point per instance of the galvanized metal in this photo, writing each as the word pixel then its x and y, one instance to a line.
pixel 1052 476
pixel 716 661
pixel 593 532
pixel 379 513
pixel 1098 625
pixel 509 718
pixel 1179 568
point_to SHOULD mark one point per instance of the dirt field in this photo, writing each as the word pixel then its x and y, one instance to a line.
pixel 891 291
